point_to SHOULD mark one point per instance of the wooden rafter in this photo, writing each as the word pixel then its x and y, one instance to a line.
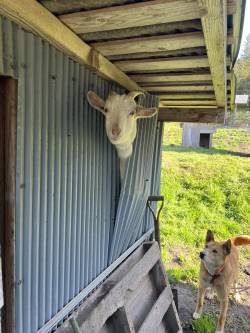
pixel 150 78
pixel 199 115
pixel 139 14
pixel 187 95
pixel 163 64
pixel 136 15
pixel 34 17
pixel 215 33
pixel 153 44
pixel 180 88
pixel 188 102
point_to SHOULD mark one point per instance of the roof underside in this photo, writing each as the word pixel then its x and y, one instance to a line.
pixel 182 51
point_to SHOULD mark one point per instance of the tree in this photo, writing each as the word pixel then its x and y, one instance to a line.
pixel 242 67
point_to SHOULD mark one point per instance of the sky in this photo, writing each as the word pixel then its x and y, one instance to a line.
pixel 246 27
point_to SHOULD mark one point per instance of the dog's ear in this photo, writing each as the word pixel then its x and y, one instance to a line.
pixel 227 247
pixel 210 236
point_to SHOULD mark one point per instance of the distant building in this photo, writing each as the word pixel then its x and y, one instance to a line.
pixel 198 135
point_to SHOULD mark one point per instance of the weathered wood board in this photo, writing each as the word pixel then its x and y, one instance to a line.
pixel 136 298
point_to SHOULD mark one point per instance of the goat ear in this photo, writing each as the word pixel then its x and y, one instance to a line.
pixel 227 247
pixel 142 112
pixel 95 101
pixel 209 236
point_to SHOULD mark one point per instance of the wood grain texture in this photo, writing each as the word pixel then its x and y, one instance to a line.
pixel 8 123
pixel 153 44
pixel 192 115
pixel 215 31
pixel 40 21
pixel 133 15
pixel 187 102
pixel 157 312
pixel 188 96
pixel 145 31
pixel 162 64
pixel 180 88
pixel 149 78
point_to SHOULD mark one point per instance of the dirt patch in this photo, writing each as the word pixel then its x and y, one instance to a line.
pixel 238 317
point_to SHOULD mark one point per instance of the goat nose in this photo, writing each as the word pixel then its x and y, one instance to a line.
pixel 202 255
pixel 116 131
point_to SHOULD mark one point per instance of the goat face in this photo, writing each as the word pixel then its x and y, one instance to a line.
pixel 121 113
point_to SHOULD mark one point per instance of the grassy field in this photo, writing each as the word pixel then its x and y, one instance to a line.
pixel 203 189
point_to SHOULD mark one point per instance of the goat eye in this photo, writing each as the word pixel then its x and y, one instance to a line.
pixel 131 113
pixel 105 110
pixel 215 251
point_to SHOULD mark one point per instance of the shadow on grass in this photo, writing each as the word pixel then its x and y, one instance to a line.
pixel 237 316
pixel 213 151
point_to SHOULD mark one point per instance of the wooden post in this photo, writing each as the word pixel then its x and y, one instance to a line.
pixel 8 113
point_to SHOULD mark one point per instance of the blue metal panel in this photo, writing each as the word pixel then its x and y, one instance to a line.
pixel 71 221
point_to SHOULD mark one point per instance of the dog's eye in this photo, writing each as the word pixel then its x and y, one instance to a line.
pixel 215 251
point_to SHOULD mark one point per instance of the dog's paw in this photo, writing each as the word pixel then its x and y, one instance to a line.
pixel 196 315
pixel 237 297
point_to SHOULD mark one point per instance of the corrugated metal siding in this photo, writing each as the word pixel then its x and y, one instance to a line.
pixel 68 226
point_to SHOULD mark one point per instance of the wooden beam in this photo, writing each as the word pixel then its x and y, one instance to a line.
pixel 192 115
pixel 189 106
pixel 187 102
pixel 163 64
pixel 34 17
pixel 191 96
pixel 215 33
pixel 139 14
pixel 135 15
pixel 152 44
pixel 150 78
pixel 181 88
pixel 141 78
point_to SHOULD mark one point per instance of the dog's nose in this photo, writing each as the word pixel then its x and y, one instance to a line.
pixel 202 255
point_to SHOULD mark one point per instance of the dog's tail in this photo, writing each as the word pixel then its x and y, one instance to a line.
pixel 241 240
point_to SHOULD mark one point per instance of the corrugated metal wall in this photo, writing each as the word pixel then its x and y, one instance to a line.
pixel 70 222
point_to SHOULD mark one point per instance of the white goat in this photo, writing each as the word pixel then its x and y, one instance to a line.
pixel 121 113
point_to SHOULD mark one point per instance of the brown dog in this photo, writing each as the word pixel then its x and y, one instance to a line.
pixel 219 270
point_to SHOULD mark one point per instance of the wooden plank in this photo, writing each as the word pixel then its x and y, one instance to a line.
pixel 139 14
pixel 189 106
pixel 148 30
pixel 64 6
pixel 39 20
pixel 163 64
pixel 122 321
pixel 187 96
pixel 181 77
pixel 152 44
pixel 180 88
pixel 150 78
pixel 157 312
pixel 8 123
pixel 187 102
pixel 192 115
pixel 117 296
pixel 215 33
pixel 196 51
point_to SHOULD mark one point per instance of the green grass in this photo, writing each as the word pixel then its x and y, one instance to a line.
pixel 205 324
pixel 203 189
